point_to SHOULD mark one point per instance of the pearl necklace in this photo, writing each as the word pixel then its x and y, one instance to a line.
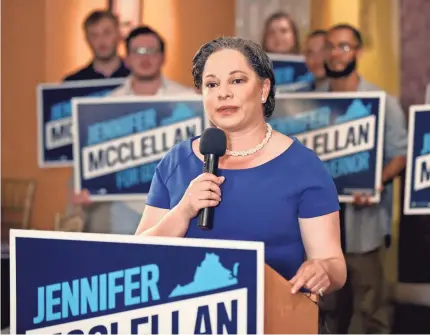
pixel 253 150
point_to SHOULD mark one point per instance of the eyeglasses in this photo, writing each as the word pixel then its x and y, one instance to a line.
pixel 145 51
pixel 343 47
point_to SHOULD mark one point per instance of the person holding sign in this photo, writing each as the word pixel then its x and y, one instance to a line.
pixel 273 189
pixel 145 58
pixel 366 224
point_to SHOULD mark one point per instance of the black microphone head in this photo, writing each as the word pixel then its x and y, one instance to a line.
pixel 213 142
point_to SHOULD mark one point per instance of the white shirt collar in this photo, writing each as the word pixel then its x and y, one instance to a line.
pixel 128 90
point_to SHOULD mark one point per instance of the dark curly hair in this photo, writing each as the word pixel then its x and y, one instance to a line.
pixel 252 51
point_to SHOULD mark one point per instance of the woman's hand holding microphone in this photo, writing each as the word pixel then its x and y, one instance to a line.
pixel 203 191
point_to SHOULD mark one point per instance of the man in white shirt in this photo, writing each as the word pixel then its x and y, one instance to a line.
pixel 145 58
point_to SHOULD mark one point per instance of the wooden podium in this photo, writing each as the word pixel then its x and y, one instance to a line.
pixel 285 313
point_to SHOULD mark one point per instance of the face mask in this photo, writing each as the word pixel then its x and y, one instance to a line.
pixel 350 67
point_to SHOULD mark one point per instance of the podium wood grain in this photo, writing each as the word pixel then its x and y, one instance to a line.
pixel 285 313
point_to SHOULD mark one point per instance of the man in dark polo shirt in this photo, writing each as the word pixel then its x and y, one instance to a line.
pixel 103 36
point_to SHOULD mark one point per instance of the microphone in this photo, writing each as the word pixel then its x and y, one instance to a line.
pixel 213 145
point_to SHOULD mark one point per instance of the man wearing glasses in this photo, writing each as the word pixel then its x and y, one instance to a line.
pixel 145 58
pixel 366 226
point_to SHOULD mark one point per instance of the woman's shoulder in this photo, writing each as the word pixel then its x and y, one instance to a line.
pixel 302 163
pixel 297 153
pixel 309 167
pixel 305 154
pixel 180 152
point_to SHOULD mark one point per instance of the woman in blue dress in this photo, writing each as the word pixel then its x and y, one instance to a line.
pixel 270 187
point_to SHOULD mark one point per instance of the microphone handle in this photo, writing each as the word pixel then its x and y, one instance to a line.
pixel 206 215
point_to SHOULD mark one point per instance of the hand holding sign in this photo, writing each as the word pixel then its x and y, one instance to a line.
pixel 204 191
pixel 120 141
pixel 82 198
pixel 363 199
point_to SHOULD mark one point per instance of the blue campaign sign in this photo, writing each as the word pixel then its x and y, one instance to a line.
pixel 77 283
pixel 291 73
pixel 120 141
pixel 346 131
pixel 417 187
pixel 54 113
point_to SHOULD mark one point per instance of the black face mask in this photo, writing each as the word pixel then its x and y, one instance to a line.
pixel 350 68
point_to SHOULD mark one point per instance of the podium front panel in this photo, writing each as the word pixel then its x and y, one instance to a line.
pixel 116 284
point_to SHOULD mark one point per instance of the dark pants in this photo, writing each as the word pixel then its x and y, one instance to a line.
pixel 371 310
pixel 336 310
pixel 361 306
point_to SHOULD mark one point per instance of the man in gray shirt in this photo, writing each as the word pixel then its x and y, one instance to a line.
pixel 366 225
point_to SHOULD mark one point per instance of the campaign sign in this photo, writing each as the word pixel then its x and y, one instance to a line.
pixel 417 187
pixel 120 141
pixel 291 73
pixel 346 131
pixel 80 283
pixel 54 113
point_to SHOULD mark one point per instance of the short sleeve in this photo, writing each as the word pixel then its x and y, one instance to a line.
pixel 318 194
pixel 395 139
pixel 158 195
